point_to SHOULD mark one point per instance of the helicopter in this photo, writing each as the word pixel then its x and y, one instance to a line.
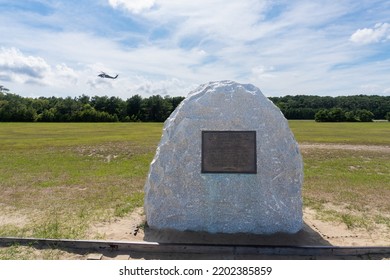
pixel 104 75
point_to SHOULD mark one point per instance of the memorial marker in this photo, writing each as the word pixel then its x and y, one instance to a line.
pixel 227 162
pixel 229 152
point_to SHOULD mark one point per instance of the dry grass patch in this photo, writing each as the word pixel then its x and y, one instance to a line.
pixel 350 186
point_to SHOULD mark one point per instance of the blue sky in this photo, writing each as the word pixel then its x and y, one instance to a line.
pixel 169 47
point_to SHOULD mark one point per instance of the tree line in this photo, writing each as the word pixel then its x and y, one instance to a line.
pixel 14 108
pixel 334 109
pixel 157 108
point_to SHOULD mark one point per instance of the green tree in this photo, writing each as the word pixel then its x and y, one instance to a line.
pixel 336 115
pixel 322 116
pixel 350 116
pixel 3 89
pixel 364 115
pixel 111 105
pixel 331 115
pixel 84 99
pixel 48 115
pixel 16 108
pixel 175 101
pixel 156 109
pixel 134 108
pixel 67 108
pixel 90 114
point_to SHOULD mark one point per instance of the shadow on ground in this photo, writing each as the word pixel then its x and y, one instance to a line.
pixel 305 237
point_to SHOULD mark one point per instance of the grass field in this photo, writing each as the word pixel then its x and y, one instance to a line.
pixel 375 133
pixel 57 179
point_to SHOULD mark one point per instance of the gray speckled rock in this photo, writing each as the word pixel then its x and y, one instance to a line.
pixel 178 196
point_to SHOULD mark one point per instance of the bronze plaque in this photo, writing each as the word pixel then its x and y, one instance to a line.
pixel 229 152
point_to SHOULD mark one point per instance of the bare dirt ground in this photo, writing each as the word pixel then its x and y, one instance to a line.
pixel 7 217
pixel 314 233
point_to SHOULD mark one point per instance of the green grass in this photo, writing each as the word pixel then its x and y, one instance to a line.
pixel 59 178
pixel 23 136
pixel 127 206
pixel 375 133
pixel 29 252
pixel 357 181
pixel 63 177
pixel 347 175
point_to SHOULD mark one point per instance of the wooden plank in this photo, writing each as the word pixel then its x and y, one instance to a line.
pixel 210 249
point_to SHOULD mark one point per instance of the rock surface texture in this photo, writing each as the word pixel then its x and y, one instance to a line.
pixel 179 196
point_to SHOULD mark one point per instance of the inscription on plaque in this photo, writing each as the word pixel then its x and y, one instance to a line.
pixel 229 152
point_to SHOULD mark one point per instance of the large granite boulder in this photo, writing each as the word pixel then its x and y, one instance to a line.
pixel 180 195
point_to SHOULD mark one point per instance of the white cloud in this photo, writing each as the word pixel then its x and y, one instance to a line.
pixel 380 32
pixel 66 75
pixel 100 84
pixel 133 6
pixel 262 72
pixel 213 20
pixel 26 69
pixel 16 66
pixel 172 86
